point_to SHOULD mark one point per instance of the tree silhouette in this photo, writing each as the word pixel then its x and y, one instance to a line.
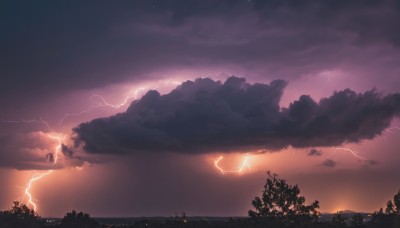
pixel 378 217
pixel 357 220
pixel 339 219
pixel 281 202
pixel 78 220
pixel 389 207
pixel 391 217
pixel 393 207
pixel 20 215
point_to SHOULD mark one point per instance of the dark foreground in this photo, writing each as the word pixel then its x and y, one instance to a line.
pixel 22 217
pixel 280 206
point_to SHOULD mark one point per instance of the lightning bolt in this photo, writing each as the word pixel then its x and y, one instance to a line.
pixel 392 128
pixel 39 121
pixel 245 164
pixel 102 102
pixel 216 164
pixel 354 153
pixel 29 186
pixel 36 177
pixel 133 96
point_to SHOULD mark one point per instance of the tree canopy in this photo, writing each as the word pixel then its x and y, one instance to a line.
pixel 20 216
pixel 78 220
pixel 282 202
pixel 393 207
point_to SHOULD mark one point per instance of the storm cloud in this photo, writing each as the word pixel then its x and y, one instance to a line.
pixel 34 151
pixel 204 116
pixel 314 152
pixel 329 163
pixel 26 151
pixel 66 151
pixel 134 40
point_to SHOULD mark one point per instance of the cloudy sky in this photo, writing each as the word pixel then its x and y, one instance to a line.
pixel 146 108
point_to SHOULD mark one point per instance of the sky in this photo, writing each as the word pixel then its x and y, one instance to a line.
pixel 157 107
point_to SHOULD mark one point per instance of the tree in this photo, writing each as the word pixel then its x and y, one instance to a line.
pixel 393 207
pixel 391 217
pixel 78 220
pixel 282 202
pixel 20 215
pixel 396 201
pixel 378 217
pixel 357 220
pixel 339 219
pixel 389 207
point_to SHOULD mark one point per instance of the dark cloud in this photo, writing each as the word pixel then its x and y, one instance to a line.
pixel 50 157
pixel 204 116
pixel 50 49
pixel 28 151
pixel 314 152
pixel 67 151
pixel 372 162
pixel 73 158
pixel 77 45
pixel 329 163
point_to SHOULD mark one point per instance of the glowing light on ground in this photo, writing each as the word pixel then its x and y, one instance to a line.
pixel 245 164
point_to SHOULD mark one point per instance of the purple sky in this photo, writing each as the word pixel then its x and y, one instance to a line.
pixel 156 156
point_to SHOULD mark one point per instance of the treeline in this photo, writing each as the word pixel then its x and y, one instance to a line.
pixel 280 206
